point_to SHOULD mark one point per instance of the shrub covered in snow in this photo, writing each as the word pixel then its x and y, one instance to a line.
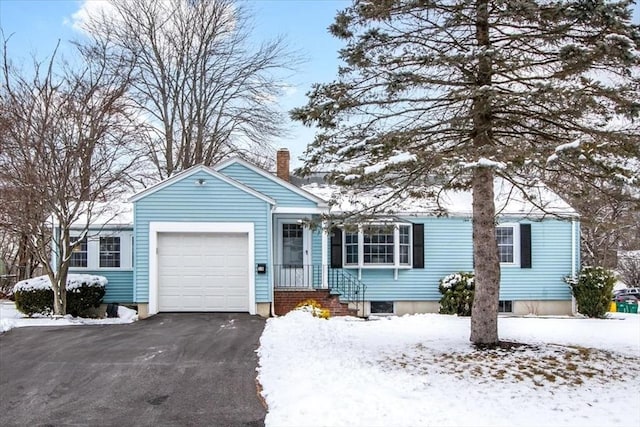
pixel 312 306
pixel 84 292
pixel 593 290
pixel 457 294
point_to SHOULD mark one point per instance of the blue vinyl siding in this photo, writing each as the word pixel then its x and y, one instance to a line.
pixel 216 201
pixel 551 262
pixel 282 195
pixel 316 246
pixel 448 249
pixel 120 286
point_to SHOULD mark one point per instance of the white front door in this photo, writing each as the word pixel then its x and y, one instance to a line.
pixel 294 269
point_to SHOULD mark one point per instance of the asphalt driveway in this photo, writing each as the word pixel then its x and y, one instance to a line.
pixel 171 369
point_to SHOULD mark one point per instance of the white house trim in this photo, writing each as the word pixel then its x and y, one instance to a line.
pixel 198 227
pixel 191 171
pixel 272 177
pixel 302 211
pixel 515 226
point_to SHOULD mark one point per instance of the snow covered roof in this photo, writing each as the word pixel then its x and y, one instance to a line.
pixel 115 213
pixel 509 199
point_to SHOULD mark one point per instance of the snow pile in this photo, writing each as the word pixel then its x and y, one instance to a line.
pixel 126 314
pixel 11 318
pixel 421 370
pixel 74 281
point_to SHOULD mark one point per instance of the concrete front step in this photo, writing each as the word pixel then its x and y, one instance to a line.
pixel 287 300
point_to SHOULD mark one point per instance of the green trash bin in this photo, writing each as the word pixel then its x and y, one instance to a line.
pixel 632 307
pixel 621 307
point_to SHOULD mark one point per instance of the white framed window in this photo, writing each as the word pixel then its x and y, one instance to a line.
pixel 79 257
pixel 378 245
pixel 508 239
pixel 110 252
pixel 109 249
pixel 351 248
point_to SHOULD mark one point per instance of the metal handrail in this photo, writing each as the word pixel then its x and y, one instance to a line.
pixel 297 276
pixel 349 288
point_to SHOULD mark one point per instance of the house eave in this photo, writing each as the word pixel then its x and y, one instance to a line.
pixel 193 170
pixel 301 192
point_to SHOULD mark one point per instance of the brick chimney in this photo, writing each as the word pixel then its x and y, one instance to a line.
pixel 282 164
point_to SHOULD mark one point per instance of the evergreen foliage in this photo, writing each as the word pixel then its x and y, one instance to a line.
pixel 457 294
pixel 441 94
pixel 593 290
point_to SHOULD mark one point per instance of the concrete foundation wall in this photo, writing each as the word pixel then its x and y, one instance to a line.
pixel 520 308
pixel 143 311
pixel 263 309
pixel 542 308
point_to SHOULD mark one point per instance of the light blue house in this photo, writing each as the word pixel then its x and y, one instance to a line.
pixel 238 238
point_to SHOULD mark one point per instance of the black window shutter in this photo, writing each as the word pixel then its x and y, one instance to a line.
pixel 525 245
pixel 418 245
pixel 336 247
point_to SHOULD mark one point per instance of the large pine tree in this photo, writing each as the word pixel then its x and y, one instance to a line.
pixel 456 93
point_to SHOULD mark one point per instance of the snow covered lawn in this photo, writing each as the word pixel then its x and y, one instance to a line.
pixel 421 370
pixel 10 318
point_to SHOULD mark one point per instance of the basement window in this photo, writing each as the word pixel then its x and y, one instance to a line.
pixel 505 306
pixel 381 307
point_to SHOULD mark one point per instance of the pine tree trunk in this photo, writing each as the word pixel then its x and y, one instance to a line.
pixel 484 313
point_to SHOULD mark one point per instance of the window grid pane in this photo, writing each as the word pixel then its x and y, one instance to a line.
pixel 292 245
pixel 351 248
pixel 404 244
pixel 378 245
pixel 504 237
pixel 109 251
pixel 79 254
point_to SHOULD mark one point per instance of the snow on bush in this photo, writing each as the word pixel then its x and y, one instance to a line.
pixel 457 294
pixel 74 281
pixel 593 290
pixel 84 293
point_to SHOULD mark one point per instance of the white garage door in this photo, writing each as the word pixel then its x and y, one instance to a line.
pixel 203 272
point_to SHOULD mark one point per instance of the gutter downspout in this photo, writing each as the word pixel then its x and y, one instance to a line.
pixel 573 263
pixel 324 251
pixel 270 258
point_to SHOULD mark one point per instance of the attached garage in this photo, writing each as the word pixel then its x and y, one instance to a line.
pixel 203 272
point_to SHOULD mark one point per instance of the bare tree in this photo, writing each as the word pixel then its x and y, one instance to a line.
pixel 450 94
pixel 196 79
pixel 69 142
pixel 629 269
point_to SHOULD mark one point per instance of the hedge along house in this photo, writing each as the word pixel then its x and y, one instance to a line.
pixel 237 238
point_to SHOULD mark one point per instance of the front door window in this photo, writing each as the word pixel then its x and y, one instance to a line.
pixel 292 245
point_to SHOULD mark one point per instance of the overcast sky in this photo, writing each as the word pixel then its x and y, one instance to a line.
pixel 36 26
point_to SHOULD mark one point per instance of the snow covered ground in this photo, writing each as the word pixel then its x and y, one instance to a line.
pixel 421 370
pixel 12 318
